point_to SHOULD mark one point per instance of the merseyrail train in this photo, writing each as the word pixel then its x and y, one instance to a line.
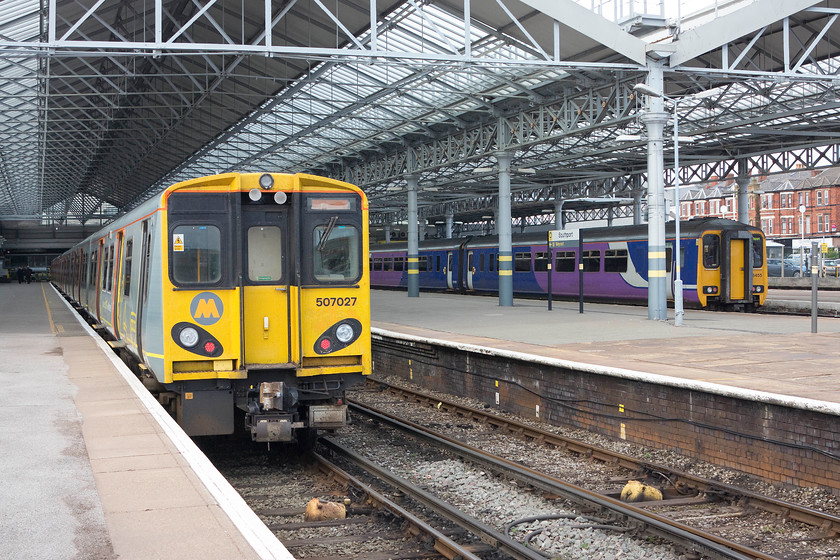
pixel 236 297
pixel 723 264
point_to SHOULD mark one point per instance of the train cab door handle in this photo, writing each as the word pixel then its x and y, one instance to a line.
pixel 280 289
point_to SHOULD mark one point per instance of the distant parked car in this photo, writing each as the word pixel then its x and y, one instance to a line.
pixel 831 267
pixel 774 268
pixel 794 262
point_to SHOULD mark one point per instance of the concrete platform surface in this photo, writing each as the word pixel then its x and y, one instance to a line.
pixel 759 352
pixel 92 466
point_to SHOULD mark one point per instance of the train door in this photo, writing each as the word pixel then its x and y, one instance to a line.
pixel 114 283
pixel 99 285
pixel 449 261
pixel 266 292
pixel 737 266
pixel 143 293
pixel 470 270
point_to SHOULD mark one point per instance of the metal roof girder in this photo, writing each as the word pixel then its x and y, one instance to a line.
pixel 729 27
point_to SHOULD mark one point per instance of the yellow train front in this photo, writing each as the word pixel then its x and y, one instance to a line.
pixel 242 297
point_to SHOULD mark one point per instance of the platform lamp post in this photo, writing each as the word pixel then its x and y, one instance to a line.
pixel 678 284
pixel 802 246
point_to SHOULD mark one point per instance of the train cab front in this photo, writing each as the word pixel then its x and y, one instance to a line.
pixel 270 303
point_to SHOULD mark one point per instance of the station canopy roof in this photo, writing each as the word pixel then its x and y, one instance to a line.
pixel 104 103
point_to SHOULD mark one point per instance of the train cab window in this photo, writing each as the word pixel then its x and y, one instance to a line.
pixel 758 251
pixel 377 264
pixel 129 247
pixel 265 258
pixel 522 262
pixel 540 262
pixel 615 260
pixel 196 254
pixel 591 261
pixel 336 253
pixel 711 250
pixel 565 261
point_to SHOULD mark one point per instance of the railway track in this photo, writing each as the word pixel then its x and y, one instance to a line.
pixel 279 486
pixel 715 520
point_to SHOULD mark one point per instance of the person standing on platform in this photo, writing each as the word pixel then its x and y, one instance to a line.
pixel 20 274
pixel 28 272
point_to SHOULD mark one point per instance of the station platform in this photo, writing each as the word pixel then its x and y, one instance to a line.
pixel 759 352
pixel 92 466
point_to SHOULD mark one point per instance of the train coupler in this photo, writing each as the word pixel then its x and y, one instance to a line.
pixel 273 427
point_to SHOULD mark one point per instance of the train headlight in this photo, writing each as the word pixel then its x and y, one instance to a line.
pixel 188 337
pixel 344 333
pixel 266 181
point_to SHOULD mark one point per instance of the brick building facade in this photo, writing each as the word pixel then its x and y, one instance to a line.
pixel 775 203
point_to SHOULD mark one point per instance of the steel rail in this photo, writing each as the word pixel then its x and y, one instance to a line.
pixel 442 544
pixel 481 530
pixel 650 523
pixel 795 512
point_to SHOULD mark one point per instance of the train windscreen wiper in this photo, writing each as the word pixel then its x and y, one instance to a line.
pixel 327 232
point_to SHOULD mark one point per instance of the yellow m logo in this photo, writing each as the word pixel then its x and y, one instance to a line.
pixel 206 309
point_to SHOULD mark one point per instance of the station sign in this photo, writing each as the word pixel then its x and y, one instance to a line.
pixel 563 238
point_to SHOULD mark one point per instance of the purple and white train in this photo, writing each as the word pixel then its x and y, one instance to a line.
pixel 723 264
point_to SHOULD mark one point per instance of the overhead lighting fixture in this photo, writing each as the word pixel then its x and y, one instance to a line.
pixel 628 138
pixel 527 170
pixel 483 170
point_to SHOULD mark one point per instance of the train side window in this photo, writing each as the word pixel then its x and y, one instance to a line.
pixel 711 250
pixel 377 264
pixel 399 264
pixel 494 262
pixel 615 260
pixel 265 258
pixel 565 261
pixel 129 247
pixel 93 260
pixel 389 264
pixel 540 262
pixel 591 261
pixel 758 251
pixel 197 259
pixel 669 259
pixel 522 262
pixel 437 268
pixel 423 264
pixel 370 264
pixel 481 262
pixel 106 259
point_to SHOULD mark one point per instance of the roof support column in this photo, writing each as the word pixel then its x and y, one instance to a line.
pixel 654 120
pixel 387 233
pixel 559 222
pixel 450 217
pixel 743 181
pixel 413 245
pixel 503 229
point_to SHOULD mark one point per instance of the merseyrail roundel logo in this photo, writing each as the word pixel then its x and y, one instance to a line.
pixel 206 308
